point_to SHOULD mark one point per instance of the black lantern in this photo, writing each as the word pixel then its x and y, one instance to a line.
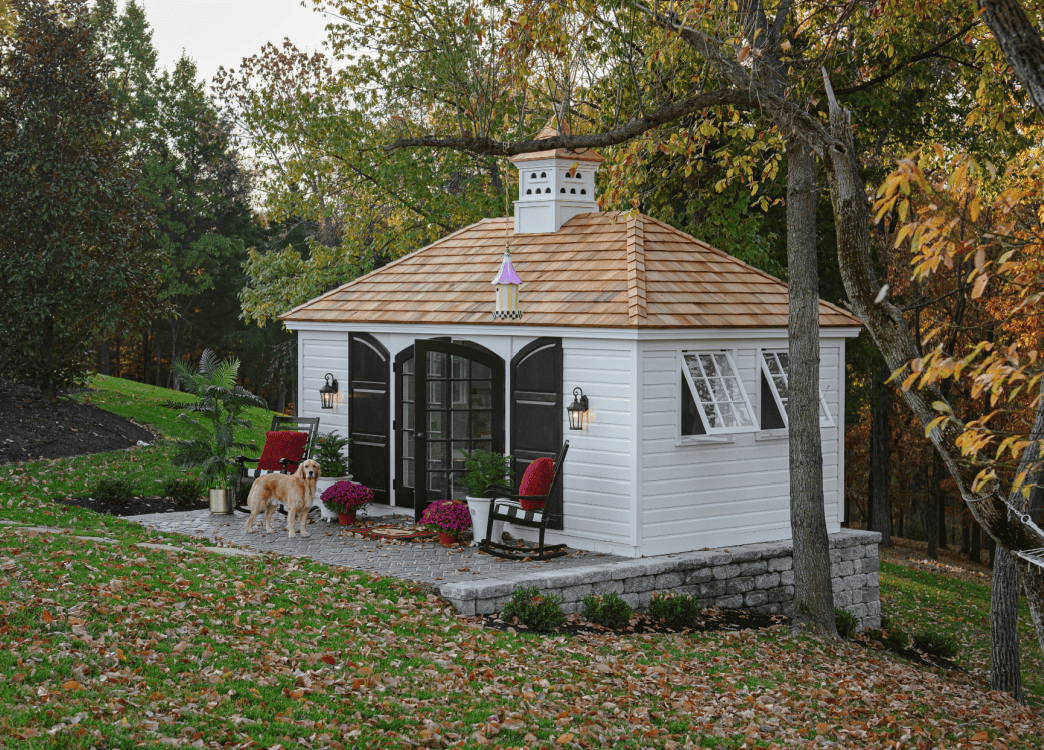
pixel 326 393
pixel 577 410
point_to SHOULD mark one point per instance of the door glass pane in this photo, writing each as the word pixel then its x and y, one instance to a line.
pixel 407 416
pixel 460 394
pixel 459 449
pixel 483 445
pixel 407 473
pixel 460 367
pixel 459 489
pixel 481 394
pixel 437 455
pixel 407 366
pixel 437 485
pixel 436 420
pixel 480 372
pixel 460 425
pixel 408 393
pixel 407 446
pixel 481 424
pixel 436 364
pixel 436 394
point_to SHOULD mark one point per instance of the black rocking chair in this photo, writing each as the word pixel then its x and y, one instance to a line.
pixel 506 505
pixel 246 476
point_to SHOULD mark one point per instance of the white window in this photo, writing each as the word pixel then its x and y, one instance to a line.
pixel 775 392
pixel 714 401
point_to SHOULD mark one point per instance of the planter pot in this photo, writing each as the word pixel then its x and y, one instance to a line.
pixel 346 519
pixel 447 538
pixel 220 502
pixel 321 485
pixel 478 507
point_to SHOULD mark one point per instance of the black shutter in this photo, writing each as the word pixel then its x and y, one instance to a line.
pixel 368 412
pixel 536 412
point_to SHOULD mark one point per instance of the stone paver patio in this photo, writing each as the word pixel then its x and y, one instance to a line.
pixel 427 562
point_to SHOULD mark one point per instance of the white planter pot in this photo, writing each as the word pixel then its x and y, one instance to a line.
pixel 321 485
pixel 478 507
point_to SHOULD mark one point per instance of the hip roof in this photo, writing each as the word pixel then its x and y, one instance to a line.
pixel 605 270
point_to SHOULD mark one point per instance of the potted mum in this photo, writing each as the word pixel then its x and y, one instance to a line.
pixel 344 498
pixel 326 448
pixel 481 470
pixel 448 517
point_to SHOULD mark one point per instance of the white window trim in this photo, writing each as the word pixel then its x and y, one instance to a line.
pixel 824 421
pixel 717 434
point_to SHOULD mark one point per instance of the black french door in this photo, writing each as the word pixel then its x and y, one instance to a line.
pixel 451 402
pixel 369 366
pixel 536 412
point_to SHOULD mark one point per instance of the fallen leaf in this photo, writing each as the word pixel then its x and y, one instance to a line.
pixel 72 685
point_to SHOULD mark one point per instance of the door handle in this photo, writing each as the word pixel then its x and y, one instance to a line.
pixel 419 435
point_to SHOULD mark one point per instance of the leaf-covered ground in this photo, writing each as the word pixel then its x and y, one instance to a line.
pixel 106 644
pixel 112 645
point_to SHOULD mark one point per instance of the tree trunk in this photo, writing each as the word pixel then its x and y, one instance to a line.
pixel 879 455
pixel 965 538
pixel 813 588
pixel 939 475
pixel 888 327
pixel 1021 43
pixel 146 356
pixel 159 362
pixel 1005 672
pixel 281 404
pixel 117 355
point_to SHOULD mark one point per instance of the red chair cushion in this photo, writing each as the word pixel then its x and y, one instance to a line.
pixel 289 444
pixel 536 481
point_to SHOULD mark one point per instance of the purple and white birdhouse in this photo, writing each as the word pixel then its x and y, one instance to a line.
pixel 507 283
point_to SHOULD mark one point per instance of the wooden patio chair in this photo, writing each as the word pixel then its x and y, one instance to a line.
pixel 527 507
pixel 285 452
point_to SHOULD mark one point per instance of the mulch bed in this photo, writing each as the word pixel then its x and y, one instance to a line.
pixel 37 429
pixel 135 506
pixel 711 619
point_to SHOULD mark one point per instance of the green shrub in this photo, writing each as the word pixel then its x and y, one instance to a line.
pixel 676 611
pixel 895 638
pixel 936 643
pixel 112 490
pixel 608 610
pixel 183 491
pixel 535 609
pixel 846 622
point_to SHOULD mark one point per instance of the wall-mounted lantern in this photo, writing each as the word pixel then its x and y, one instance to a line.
pixel 326 393
pixel 577 410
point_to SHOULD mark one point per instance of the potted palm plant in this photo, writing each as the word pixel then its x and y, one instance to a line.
pixel 482 469
pixel 326 448
pixel 211 424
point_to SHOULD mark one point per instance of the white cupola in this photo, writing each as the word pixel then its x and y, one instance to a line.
pixel 554 186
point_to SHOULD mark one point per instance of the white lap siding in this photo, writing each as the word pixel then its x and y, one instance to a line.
pixel 716 494
pixel 321 352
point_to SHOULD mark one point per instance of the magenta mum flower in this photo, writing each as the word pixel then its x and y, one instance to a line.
pixel 447 515
pixel 344 496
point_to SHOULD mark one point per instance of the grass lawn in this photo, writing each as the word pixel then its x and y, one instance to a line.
pixel 107 644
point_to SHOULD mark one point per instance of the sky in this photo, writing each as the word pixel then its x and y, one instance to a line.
pixel 222 32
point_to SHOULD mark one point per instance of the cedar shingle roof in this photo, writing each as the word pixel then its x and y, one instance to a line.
pixel 599 270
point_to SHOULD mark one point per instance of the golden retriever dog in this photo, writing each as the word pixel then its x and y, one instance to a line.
pixel 294 491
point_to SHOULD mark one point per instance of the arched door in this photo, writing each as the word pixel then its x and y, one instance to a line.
pixel 451 402
pixel 369 365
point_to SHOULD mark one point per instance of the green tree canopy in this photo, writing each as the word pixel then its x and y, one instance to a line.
pixel 73 231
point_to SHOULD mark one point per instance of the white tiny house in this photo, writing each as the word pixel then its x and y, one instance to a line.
pixel 680 349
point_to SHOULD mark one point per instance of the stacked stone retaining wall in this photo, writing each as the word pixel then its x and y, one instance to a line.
pixel 757 577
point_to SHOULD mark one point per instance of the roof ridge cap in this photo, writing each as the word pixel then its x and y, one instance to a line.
pixel 637 309
pixel 395 262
